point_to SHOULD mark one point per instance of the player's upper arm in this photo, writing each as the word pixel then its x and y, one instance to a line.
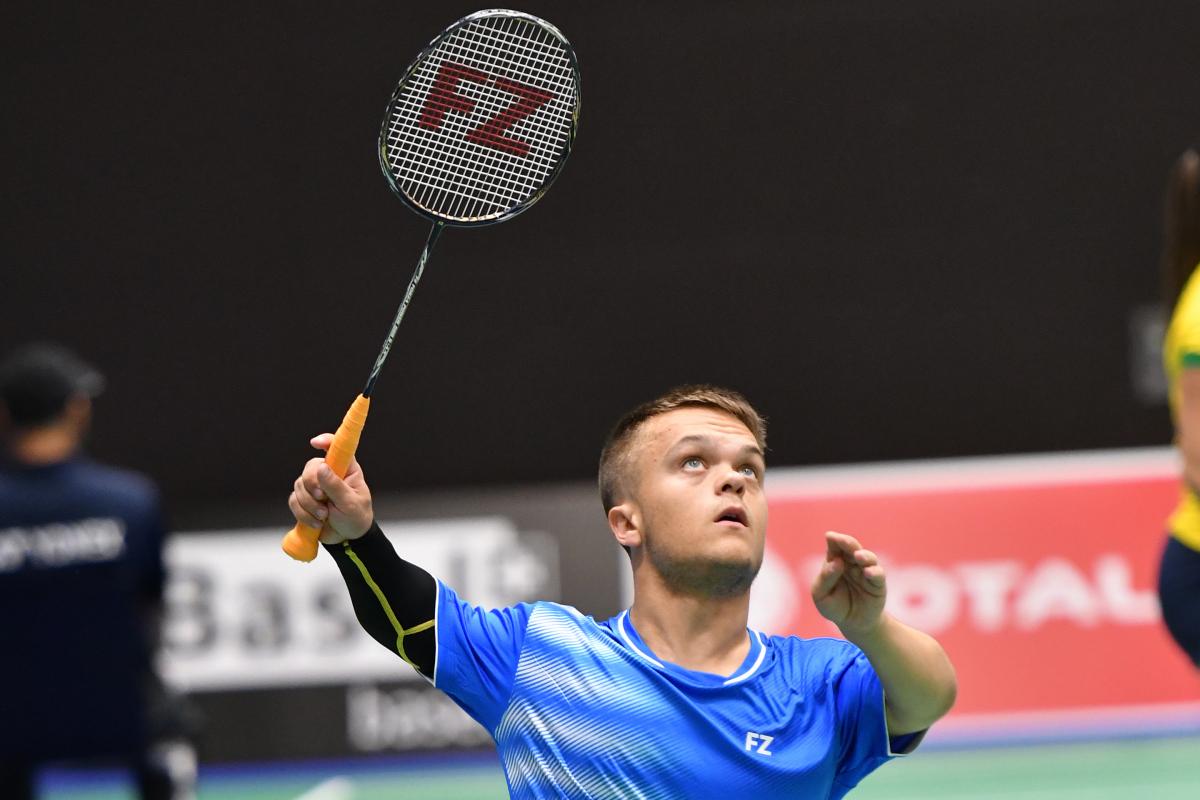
pixel 477 654
pixel 862 722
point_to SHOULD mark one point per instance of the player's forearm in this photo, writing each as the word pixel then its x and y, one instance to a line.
pixel 918 679
pixel 394 601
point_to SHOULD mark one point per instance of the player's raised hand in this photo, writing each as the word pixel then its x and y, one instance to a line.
pixel 851 588
pixel 320 498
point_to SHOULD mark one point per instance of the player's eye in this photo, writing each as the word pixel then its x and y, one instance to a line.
pixel 692 463
pixel 752 469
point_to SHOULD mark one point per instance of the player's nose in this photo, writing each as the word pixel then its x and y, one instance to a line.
pixel 734 481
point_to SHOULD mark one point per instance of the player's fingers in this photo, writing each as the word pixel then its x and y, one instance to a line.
pixel 354 474
pixel 301 515
pixel 854 574
pixel 833 544
pixel 309 479
pixel 832 548
pixel 831 572
pixel 865 558
pixel 842 542
pixel 321 441
pixel 307 502
pixel 341 495
pixel 875 575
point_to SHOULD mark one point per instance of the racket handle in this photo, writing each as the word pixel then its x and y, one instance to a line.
pixel 301 541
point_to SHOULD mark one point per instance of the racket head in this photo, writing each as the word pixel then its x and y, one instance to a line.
pixel 483 120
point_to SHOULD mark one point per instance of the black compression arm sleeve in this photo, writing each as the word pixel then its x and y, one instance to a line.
pixel 395 601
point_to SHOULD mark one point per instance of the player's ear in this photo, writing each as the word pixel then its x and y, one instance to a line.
pixel 79 411
pixel 626 524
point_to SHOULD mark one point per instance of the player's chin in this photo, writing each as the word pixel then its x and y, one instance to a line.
pixel 713 575
pixel 736 543
pixel 730 577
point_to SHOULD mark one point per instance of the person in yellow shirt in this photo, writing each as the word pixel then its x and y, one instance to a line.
pixel 1179 571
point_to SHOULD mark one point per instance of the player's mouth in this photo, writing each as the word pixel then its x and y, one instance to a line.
pixel 733 516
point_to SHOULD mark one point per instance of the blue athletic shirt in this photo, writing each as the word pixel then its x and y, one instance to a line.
pixel 584 709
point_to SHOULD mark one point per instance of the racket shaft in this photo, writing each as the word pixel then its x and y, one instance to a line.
pixel 430 241
pixel 301 542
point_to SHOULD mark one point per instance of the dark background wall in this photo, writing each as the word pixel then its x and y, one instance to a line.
pixel 903 229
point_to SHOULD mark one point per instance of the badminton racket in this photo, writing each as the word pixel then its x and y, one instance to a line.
pixel 475 132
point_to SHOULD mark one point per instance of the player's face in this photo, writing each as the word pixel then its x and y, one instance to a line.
pixel 699 496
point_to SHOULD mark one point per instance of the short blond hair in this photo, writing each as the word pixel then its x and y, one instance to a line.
pixel 614 455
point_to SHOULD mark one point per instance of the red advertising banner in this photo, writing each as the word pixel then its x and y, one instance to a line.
pixel 1036 573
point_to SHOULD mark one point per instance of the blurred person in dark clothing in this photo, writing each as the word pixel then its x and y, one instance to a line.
pixel 81 588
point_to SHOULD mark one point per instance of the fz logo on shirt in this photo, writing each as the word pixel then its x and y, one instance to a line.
pixel 759 740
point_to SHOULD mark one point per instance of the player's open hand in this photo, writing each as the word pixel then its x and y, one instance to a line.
pixel 851 588
pixel 339 507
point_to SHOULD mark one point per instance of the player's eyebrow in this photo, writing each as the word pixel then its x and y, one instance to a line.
pixel 700 439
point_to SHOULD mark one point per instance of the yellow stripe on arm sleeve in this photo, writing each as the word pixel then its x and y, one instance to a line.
pixel 394 601
pixel 401 631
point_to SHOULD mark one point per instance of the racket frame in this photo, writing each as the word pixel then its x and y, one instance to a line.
pixel 403 83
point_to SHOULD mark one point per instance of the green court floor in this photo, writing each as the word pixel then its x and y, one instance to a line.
pixel 1161 769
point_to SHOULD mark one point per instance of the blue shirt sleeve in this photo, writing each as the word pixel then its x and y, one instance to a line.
pixel 862 721
pixel 477 654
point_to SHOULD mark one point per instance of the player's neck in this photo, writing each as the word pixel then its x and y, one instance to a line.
pixel 43 446
pixel 696 633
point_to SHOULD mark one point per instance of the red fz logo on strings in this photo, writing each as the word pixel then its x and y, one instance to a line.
pixel 443 97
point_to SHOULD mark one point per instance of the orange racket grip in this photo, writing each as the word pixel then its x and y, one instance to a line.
pixel 301 541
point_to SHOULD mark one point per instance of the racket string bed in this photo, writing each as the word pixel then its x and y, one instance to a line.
pixel 439 165
pixel 556 76
pixel 475 174
pixel 495 174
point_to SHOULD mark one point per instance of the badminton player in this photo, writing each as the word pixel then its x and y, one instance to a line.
pixel 674 697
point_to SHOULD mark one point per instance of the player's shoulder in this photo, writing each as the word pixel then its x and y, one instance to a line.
pixel 80 487
pixel 816 658
pixel 119 477
pixel 820 647
pixel 546 622
pixel 95 489
pixel 545 612
pixel 127 484
pixel 550 610
pixel 558 621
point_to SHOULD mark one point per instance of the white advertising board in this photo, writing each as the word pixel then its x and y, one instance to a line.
pixel 241 614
